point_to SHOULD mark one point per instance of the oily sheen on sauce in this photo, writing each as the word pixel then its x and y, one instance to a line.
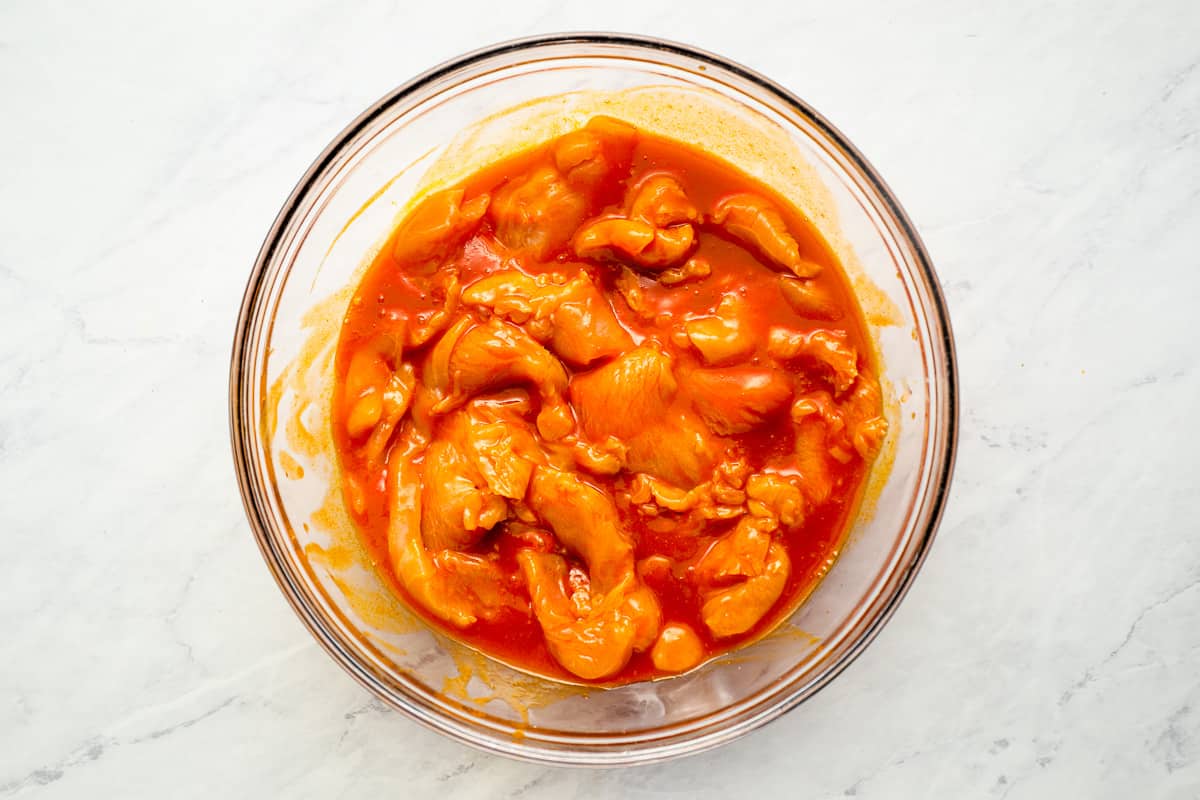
pixel 605 409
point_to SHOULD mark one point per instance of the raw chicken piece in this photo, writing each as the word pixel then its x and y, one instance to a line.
pixel 472 358
pixel 437 226
pixel 442 288
pixel 621 239
pixel 721 497
pixel 827 347
pixel 758 223
pixel 724 336
pixel 740 576
pixel 376 397
pixel 856 426
pixel 478 471
pixel 737 399
pixel 678 648
pixel 457 596
pixel 624 396
pixel 631 398
pixel 741 553
pixel 585 520
pixel 505 455
pixel 585 329
pixel 820 405
pixel 362 392
pixel 865 423
pixel 618 136
pixel 776 498
pixel 645 488
pixel 516 296
pixel 737 609
pixel 538 213
pixel 596 152
pixel 595 642
pixel 659 200
pixel 811 460
pixel 494 439
pixel 655 231
pixel 809 299
pixel 481 577
pixel 396 398
pixel 581 324
pixel 458 508
pixel 603 458
pixel 594 630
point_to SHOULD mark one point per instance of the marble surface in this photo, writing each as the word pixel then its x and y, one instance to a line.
pixel 1049 156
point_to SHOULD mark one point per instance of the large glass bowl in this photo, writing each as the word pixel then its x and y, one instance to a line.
pixel 428 133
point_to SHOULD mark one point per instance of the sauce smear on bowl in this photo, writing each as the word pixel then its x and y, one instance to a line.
pixel 605 409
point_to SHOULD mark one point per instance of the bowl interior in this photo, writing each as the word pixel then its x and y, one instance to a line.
pixel 440 128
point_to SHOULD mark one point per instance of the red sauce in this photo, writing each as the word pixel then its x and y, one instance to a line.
pixel 401 291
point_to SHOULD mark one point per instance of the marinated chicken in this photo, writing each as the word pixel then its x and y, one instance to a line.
pixel 605 409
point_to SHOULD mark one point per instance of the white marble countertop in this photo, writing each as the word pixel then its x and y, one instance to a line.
pixel 1050 158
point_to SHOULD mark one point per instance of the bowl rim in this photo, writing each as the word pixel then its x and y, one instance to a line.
pixel 241 355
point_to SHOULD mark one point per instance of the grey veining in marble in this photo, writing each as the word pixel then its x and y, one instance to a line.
pixel 1050 156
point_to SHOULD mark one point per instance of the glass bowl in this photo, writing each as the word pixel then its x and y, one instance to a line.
pixel 432 131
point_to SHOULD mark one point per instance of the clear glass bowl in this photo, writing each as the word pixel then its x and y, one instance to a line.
pixel 452 118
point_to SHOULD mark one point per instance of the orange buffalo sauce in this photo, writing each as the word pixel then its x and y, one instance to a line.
pixel 605 409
